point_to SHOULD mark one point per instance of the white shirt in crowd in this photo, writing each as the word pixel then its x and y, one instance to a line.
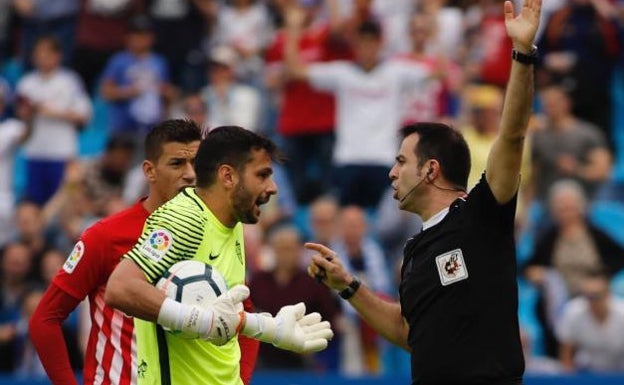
pixel 599 347
pixel 54 139
pixel 368 107
pixel 11 132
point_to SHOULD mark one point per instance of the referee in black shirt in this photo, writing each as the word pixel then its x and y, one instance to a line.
pixel 458 294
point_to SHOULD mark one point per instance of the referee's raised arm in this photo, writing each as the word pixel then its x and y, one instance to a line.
pixel 503 166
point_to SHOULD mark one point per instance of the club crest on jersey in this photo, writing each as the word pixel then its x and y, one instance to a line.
pixel 451 267
pixel 74 257
pixel 157 244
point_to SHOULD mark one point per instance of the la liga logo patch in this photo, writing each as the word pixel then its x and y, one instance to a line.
pixel 156 245
pixel 160 240
pixel 74 257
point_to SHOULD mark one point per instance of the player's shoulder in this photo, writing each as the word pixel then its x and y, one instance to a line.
pixel 118 223
pixel 185 209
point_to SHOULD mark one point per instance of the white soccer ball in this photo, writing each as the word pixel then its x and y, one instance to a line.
pixel 192 282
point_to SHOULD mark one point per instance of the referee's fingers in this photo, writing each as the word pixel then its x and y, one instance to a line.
pixel 322 262
pixel 321 249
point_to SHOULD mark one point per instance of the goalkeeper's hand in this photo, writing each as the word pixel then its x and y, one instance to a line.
pixel 291 329
pixel 218 323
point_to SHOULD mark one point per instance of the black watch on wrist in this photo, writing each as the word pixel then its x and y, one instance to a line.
pixel 350 290
pixel 525 58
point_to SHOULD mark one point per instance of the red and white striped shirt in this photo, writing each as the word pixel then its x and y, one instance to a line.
pixel 110 355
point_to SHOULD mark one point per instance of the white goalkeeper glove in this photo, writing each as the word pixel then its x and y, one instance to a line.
pixel 290 329
pixel 218 323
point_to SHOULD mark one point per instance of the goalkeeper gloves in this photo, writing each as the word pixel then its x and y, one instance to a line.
pixel 290 329
pixel 218 324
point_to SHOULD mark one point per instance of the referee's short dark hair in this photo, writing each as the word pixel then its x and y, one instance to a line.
pixel 230 145
pixel 446 145
pixel 168 131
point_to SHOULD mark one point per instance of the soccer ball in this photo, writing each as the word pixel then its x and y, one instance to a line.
pixel 192 282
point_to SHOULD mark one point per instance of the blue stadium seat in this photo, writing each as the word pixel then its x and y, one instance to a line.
pixel 609 217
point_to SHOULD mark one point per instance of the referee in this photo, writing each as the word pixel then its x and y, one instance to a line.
pixel 458 293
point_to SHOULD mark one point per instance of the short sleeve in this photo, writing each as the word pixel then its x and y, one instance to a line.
pixel 327 76
pixel 84 268
pixel 484 208
pixel 171 234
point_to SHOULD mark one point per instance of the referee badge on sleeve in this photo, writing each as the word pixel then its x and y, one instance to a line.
pixel 451 267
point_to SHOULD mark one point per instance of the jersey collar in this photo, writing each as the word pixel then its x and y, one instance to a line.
pixel 435 219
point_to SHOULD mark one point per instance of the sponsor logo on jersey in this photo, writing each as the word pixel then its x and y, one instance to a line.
pixel 451 267
pixel 74 257
pixel 157 244
pixel 141 369
pixel 239 252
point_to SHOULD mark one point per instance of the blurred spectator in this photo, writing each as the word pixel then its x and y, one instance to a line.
pixel 61 109
pixel 192 106
pixel 47 18
pixel 104 177
pixel 13 132
pixel 51 263
pixel 363 258
pixel 564 146
pixel 537 365
pixel 368 95
pixel 28 364
pixel 179 27
pixel 324 220
pixel 6 12
pixel 305 117
pixel 489 60
pixel 433 101
pixel 393 226
pixel 230 103
pixel 590 329
pixel 30 224
pixel 101 31
pixel 573 249
pixel 288 283
pixel 15 267
pixel 244 25
pixel 134 81
pixel 448 38
pixel 484 105
pixel 578 49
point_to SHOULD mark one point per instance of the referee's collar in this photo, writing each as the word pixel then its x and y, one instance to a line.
pixel 435 219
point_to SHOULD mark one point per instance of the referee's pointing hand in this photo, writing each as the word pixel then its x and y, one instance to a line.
pixel 326 266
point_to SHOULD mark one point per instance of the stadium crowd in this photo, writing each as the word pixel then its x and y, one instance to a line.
pixel 331 81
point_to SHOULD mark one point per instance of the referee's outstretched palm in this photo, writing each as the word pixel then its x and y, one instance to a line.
pixel 522 27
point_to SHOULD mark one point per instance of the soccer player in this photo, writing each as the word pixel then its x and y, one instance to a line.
pixel 170 150
pixel 458 294
pixel 205 223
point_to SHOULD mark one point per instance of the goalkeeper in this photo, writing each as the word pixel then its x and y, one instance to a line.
pixel 234 178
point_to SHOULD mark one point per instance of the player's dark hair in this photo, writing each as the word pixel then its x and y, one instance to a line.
pixel 369 28
pixel 167 131
pixel 446 145
pixel 230 145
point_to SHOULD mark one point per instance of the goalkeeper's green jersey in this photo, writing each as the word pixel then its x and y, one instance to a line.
pixel 184 228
